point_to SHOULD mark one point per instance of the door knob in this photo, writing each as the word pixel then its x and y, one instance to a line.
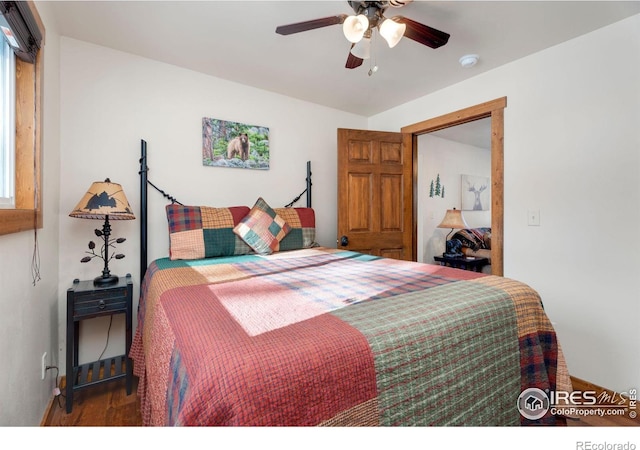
pixel 344 241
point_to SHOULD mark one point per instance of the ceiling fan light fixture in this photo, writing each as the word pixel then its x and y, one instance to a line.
pixel 354 27
pixel 392 31
pixel 362 49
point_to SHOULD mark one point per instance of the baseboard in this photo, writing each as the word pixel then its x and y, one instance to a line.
pixel 583 385
pixel 48 412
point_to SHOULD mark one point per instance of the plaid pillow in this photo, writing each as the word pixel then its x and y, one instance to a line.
pixel 303 228
pixel 471 237
pixel 262 229
pixel 197 232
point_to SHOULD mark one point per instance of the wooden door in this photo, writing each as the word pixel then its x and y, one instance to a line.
pixel 375 193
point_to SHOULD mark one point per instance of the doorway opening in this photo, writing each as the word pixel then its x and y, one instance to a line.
pixel 495 111
pixel 454 171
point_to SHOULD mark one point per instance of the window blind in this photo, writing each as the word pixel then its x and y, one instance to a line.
pixel 21 29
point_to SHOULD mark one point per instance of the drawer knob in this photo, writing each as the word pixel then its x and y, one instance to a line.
pixel 101 304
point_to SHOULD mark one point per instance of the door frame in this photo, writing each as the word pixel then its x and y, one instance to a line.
pixel 495 110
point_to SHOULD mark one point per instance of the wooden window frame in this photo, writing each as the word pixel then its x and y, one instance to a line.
pixel 27 214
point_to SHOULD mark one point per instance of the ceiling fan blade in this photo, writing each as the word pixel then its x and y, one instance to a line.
pixel 423 34
pixel 310 24
pixel 353 61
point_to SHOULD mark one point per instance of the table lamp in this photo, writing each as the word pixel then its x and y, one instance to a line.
pixel 452 219
pixel 103 201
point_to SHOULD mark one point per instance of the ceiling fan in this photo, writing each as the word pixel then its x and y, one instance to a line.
pixel 368 17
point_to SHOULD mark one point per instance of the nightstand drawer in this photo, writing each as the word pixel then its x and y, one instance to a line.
pixel 90 303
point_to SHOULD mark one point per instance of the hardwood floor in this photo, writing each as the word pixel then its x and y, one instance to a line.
pixel 103 405
pixel 109 405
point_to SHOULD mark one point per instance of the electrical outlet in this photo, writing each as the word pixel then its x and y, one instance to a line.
pixel 44 364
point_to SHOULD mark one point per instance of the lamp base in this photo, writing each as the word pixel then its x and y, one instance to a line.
pixel 105 281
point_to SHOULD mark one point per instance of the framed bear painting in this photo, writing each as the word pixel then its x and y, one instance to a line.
pixel 234 144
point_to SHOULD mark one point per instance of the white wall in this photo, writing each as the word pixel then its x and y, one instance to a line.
pixel 450 160
pixel 28 311
pixel 571 151
pixel 111 100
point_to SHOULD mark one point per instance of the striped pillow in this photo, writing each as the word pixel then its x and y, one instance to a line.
pixel 197 232
pixel 262 229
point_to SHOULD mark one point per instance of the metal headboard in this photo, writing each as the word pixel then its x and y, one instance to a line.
pixel 144 183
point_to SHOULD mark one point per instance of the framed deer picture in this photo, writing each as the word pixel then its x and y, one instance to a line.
pixel 476 193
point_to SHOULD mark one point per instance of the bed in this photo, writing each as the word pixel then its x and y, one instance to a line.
pixel 303 335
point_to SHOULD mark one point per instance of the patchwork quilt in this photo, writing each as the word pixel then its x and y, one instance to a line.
pixel 330 337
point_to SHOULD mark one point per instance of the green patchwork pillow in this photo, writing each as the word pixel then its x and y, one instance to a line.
pixel 197 232
pixel 303 228
pixel 262 229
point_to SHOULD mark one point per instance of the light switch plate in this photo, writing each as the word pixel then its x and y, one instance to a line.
pixel 534 218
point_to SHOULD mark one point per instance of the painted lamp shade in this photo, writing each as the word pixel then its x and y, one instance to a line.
pixel 103 201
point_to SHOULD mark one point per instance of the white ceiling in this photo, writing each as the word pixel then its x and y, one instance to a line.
pixel 476 133
pixel 236 40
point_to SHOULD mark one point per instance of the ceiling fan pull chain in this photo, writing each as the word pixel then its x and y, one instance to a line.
pixel 373 60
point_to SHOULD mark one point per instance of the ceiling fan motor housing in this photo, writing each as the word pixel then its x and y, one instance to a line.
pixel 372 10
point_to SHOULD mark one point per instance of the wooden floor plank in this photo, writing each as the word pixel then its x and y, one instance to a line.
pixel 103 405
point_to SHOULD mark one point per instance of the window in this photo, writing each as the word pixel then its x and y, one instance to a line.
pixel 7 123
pixel 24 25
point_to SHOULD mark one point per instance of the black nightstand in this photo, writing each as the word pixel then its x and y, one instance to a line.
pixel 85 301
pixel 462 262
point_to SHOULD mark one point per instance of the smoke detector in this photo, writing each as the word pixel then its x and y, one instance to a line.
pixel 469 60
